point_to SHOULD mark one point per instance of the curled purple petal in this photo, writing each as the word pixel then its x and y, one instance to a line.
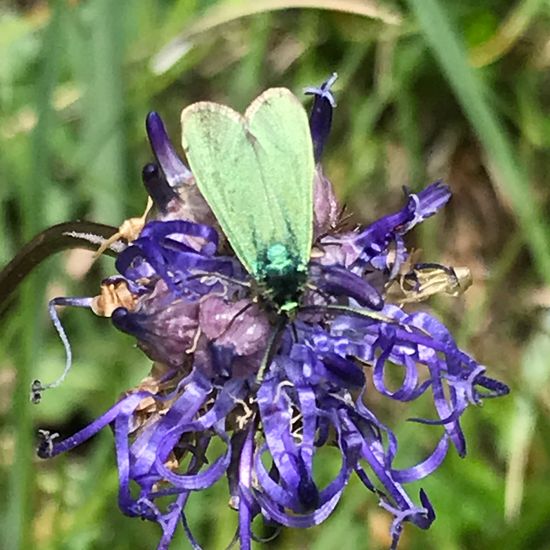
pixel 373 246
pixel 343 371
pixel 431 199
pixel 425 468
pixel 123 409
pixel 338 281
pixel 245 484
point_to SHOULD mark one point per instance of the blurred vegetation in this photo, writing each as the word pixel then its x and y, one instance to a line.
pixel 428 89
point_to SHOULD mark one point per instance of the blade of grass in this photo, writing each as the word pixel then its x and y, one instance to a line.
pixel 33 192
pixel 103 144
pixel 249 70
pixel 508 34
pixel 441 35
pixel 229 11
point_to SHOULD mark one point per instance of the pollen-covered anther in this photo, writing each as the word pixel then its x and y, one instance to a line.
pixel 150 408
pixel 172 463
pixel 233 503
pixel 153 382
pixel 425 280
pixel 129 230
pixel 247 413
pixel 114 294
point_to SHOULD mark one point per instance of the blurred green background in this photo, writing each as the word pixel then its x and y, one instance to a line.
pixel 428 89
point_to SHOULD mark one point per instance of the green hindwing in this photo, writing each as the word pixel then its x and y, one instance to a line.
pixel 256 173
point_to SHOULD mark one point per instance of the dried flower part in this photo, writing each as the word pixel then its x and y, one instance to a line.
pixel 129 230
pixel 114 294
pixel 160 381
pixel 326 209
pixel 422 281
pixel 277 390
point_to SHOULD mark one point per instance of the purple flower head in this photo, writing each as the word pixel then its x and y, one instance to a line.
pixel 275 390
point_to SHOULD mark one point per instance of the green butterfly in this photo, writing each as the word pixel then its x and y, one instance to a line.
pixel 256 173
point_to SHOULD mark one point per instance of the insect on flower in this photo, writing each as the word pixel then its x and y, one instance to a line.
pixel 265 320
pixel 256 174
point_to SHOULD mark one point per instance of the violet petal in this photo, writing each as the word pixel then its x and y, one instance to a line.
pixel 175 171
pixel 320 119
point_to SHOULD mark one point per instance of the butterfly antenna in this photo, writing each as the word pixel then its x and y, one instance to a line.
pixel 365 313
pixel 37 387
pixel 318 291
pixel 219 276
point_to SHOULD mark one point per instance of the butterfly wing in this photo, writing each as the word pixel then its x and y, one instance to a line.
pixel 256 172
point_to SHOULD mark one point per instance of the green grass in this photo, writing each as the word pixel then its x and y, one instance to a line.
pixel 428 89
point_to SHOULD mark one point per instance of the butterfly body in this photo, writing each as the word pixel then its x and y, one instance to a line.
pixel 281 277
